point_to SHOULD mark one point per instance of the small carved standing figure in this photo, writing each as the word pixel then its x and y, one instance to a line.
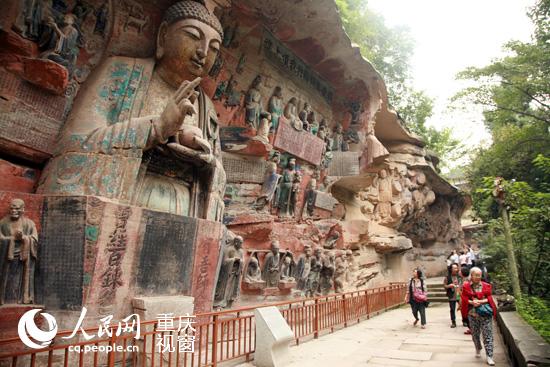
pixel 270 272
pixel 303 268
pixel 271 180
pixel 338 142
pixel 18 254
pixel 304 115
pixel 286 188
pixel 327 272
pixel 311 195
pixel 291 114
pixel 341 267
pixel 253 103
pixel 229 280
pixel 312 283
pixel 275 107
pixel 286 268
pixel 262 134
pixel 296 188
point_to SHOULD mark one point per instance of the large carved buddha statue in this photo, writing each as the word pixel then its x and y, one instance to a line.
pixel 142 131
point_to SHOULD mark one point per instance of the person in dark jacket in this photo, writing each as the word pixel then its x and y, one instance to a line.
pixel 452 283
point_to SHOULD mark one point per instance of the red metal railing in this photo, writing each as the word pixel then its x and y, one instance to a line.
pixel 219 336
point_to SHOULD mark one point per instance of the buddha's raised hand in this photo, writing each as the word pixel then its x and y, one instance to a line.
pixel 179 105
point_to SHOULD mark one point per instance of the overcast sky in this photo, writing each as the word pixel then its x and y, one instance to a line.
pixel 451 35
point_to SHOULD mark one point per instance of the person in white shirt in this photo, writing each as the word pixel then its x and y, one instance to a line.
pixel 454 258
pixel 463 259
pixel 472 256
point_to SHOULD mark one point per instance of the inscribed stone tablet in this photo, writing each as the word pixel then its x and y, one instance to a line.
pixel 301 144
pixel 61 245
pixel 344 164
pixel 243 170
pixel 166 260
pixel 325 201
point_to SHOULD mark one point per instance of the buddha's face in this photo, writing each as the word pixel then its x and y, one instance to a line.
pixel 187 49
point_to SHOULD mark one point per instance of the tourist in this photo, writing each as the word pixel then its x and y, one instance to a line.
pixel 478 306
pixel 464 277
pixel 451 284
pixel 417 297
pixel 463 258
pixel 471 256
pixel 449 261
pixel 454 258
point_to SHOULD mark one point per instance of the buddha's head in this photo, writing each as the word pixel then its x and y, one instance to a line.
pixel 188 42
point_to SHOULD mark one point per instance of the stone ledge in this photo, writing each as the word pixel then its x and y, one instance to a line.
pixel 525 346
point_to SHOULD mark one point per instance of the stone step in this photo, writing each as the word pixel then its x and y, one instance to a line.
pixel 438 299
pixel 437 294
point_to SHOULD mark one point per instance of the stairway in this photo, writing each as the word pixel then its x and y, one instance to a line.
pixel 436 292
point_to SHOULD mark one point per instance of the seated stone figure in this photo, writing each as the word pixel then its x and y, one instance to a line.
pixel 142 131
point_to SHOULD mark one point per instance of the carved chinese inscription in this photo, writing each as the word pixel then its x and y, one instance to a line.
pixel 344 164
pixel 111 279
pixel 301 144
pixel 244 170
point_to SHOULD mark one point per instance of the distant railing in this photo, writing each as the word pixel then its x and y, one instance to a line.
pixel 219 336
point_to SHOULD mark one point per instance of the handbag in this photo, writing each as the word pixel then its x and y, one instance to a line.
pixel 419 296
pixel 484 310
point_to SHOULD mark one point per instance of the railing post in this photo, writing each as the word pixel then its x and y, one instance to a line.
pixel 316 320
pixel 367 303
pixel 111 357
pixel 385 298
pixel 345 310
pixel 215 341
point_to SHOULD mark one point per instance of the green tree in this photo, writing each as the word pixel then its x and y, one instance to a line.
pixel 514 92
pixel 389 50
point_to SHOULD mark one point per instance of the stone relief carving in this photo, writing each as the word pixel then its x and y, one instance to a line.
pixel 229 279
pixel 271 271
pixel 18 255
pixel 173 124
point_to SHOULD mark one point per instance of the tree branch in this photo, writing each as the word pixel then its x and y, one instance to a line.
pixel 526 93
pixel 516 111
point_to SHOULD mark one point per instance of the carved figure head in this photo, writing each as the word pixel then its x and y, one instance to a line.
pixel 188 42
pixel 238 242
pixel 278 92
pixel 292 163
pixel 275 246
pixel 17 209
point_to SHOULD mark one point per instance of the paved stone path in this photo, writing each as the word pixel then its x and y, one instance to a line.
pixel 390 339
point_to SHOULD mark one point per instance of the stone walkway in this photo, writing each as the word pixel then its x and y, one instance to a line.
pixel 390 339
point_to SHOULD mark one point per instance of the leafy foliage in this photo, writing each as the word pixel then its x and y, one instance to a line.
pixel 536 312
pixel 389 50
pixel 515 94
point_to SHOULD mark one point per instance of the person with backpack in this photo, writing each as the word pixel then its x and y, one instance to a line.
pixel 478 305
pixel 417 297
pixel 452 283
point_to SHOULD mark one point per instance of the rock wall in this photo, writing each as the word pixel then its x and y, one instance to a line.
pixel 314 161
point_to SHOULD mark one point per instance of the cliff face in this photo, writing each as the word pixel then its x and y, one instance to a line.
pixel 330 167
pixel 400 214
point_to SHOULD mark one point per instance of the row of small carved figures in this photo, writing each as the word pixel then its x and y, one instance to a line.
pixel 310 271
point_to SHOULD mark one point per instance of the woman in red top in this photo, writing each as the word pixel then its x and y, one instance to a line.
pixel 478 306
